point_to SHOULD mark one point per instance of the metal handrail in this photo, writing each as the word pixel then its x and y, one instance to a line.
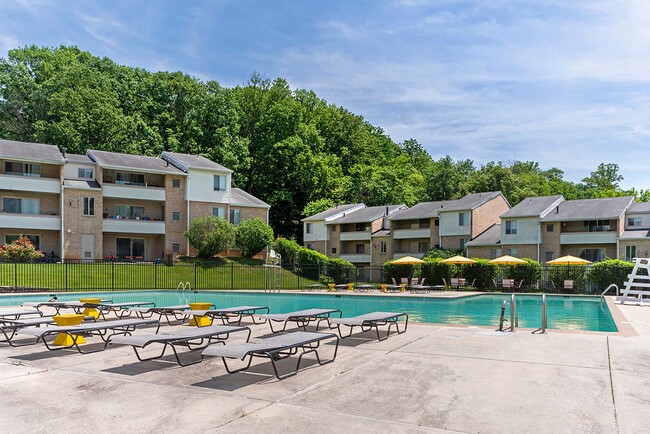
pixel 514 319
pixel 602 294
pixel 542 329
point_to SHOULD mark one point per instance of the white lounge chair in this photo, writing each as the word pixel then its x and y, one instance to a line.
pixel 302 318
pixel 372 320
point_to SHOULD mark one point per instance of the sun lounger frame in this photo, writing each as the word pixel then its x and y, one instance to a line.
pixel 231 315
pixel 369 324
pixel 303 320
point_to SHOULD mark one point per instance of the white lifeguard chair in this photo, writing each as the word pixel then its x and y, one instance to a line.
pixel 637 285
pixel 272 271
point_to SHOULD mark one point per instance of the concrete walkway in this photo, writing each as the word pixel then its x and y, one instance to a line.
pixel 433 378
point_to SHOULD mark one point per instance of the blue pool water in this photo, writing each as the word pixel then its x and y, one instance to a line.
pixel 566 313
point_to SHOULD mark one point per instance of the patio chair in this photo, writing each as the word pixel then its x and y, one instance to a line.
pixel 568 285
pixel 230 315
pixel 275 348
pixel 302 318
pixel 372 320
pixel 419 287
pixel 180 338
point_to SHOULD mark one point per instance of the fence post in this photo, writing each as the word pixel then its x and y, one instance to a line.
pixel 15 274
pixel 155 275
pixel 196 268
pixel 65 267
pixel 112 275
pixel 232 276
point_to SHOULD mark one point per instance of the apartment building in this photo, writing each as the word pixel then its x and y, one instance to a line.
pixel 316 234
pixel 113 205
pixel 635 240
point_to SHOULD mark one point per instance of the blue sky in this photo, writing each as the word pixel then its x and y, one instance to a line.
pixel 562 83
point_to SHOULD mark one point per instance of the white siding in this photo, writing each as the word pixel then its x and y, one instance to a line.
pixel 588 238
pixel 449 224
pixel 134 192
pixel 527 232
pixel 71 170
pixel 319 231
pixel 30 184
pixel 200 187
pixel 645 221
pixel 402 234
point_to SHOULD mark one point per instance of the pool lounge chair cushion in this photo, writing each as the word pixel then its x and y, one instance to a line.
pixel 372 320
pixel 301 317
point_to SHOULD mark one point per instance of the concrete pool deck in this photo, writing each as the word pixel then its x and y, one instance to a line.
pixel 434 378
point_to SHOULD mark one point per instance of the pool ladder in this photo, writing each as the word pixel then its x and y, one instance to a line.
pixel 514 320
pixel 542 329
pixel 183 286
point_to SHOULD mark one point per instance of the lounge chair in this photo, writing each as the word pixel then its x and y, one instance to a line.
pixel 274 348
pixel 17 313
pixel 175 311
pixel 9 327
pixel 302 318
pixel 184 338
pixel 394 287
pixel 372 320
pixel 121 310
pixel 101 329
pixel 230 315
pixel 419 287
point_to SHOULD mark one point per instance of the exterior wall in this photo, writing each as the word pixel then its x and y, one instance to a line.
pixel 523 251
pixel 645 221
pixel 153 244
pixel 435 233
pixel 575 250
pixel 47 170
pixel 201 187
pixel 620 225
pixel 642 248
pixel 50 241
pixel 251 212
pixel 487 215
pixel 49 203
pixel 71 170
pixel 480 251
pixel 175 202
pixel 202 209
pixel 527 231
pixel 319 246
pixel 377 257
pixel 153 209
pixel 550 240
pixel 335 241
pixel 76 224
pixel 377 225
pixel 452 242
pixel 319 231
pixel 449 224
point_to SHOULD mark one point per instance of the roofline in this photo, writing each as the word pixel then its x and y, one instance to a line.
pixel 248 205
pixel 599 218
pixel 367 221
pixel 32 160
pixel 334 216
pixel 187 167
pixel 483 202
pixel 542 214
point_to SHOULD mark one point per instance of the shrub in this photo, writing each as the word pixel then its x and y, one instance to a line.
pixel 482 273
pixel 397 271
pixel 21 248
pixel 210 235
pixel 312 263
pixel 441 253
pixel 288 249
pixel 433 270
pixel 529 273
pixel 252 236
pixel 559 273
pixel 605 273
pixel 339 270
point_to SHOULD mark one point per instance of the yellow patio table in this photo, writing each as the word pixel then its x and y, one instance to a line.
pixel 383 287
pixel 200 321
pixel 330 287
pixel 403 285
pixel 350 286
pixel 91 310
pixel 68 319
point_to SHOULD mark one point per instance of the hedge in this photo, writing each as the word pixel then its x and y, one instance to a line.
pixel 610 271
pixel 529 273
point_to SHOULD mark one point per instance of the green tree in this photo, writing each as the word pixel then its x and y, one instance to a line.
pixel 604 181
pixel 210 235
pixel 318 206
pixel 252 236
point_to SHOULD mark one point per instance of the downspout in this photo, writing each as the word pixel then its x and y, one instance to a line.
pixel 62 222
pixel 187 201
pixel 539 240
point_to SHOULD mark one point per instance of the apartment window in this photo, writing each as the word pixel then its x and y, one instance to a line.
pixel 333 228
pixel 548 256
pixel 127 178
pixel 382 246
pixel 22 169
pixel 630 253
pixel 235 216
pixel 16 205
pixel 309 246
pixel 361 249
pixel 176 183
pixel 495 253
pixel 219 212
pixel 176 216
pixel 89 206
pixel 511 227
pixel 596 226
pixel 462 243
pixel 436 222
pixel 129 212
pixel 549 227
pixel 85 173
pixel 362 227
pixel 308 228
pixel 34 239
pixel 593 255
pixel 219 183
pixel 634 221
pixel 423 223
pixel 511 252
pixel 436 246
pixel 462 219
pixel 333 249
pixel 176 248
pixel 130 248
pixel 423 246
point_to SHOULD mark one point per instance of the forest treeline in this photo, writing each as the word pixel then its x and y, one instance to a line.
pixel 286 146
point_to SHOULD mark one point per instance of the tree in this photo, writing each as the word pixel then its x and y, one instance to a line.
pixel 210 235
pixel 252 236
pixel 604 181
pixel 318 206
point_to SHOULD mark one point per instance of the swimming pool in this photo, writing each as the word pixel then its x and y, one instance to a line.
pixel 565 313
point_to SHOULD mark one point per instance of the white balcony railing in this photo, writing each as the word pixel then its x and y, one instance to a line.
pixel 134 226
pixel 588 238
pixel 356 258
pixel 355 236
pixel 402 254
pixel 401 234
pixel 29 221
pixel 134 192
pixel 34 184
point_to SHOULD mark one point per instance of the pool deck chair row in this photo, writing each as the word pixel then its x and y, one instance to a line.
pixel 302 318
pixel 9 327
pixel 275 348
pixel 230 315
pixel 176 312
pixel 371 321
pixel 187 338
pixel 17 313
pixel 104 329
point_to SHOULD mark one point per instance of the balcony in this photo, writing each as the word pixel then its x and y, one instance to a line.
pixel 356 258
pixel 588 237
pixel 134 192
pixel 402 254
pixel 355 236
pixel 33 184
pixel 30 221
pixel 128 226
pixel 402 234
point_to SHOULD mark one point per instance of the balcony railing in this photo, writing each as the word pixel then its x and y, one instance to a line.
pixel 134 192
pixel 33 184
pixel 30 221
pixel 134 226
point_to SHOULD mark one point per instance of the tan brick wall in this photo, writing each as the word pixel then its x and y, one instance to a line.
pixel 49 203
pixel 49 239
pixel 153 244
pixel 319 246
pixel 452 241
pixel 335 241
pixel 575 250
pixel 250 212
pixel 175 202
pixel 435 232
pixel 377 225
pixel 76 224
pixel 642 248
pixel 488 214
pixel 379 258
pixel 479 252
pixel 550 240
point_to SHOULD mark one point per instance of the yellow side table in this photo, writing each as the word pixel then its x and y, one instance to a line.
pixel 91 311
pixel 200 321
pixel 330 287
pixel 350 286
pixel 403 285
pixel 383 287
pixel 68 319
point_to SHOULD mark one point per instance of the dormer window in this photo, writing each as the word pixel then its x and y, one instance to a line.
pixel 219 183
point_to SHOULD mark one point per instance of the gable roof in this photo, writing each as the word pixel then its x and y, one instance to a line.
pixel 366 215
pixel 639 208
pixel 335 212
pixel 533 207
pixel 472 201
pixel 590 209
pixel 140 163
pixel 489 237
pixel 186 161
pixel 422 210
pixel 243 198
pixel 27 151
pixel 78 158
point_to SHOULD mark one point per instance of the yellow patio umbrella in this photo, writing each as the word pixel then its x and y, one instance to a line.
pixel 507 260
pixel 407 260
pixel 569 260
pixel 458 260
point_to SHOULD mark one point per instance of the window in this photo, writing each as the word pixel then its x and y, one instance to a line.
pixel 361 249
pixel 34 239
pixel 22 169
pixel 308 228
pixel 437 222
pixel 549 227
pixel 495 253
pixel 593 255
pixel 176 183
pixel 596 226
pixel 176 216
pixel 309 246
pixel 634 221
pixel 89 206
pixel 462 219
pixel 219 212
pixel 127 178
pixel 130 248
pixel 362 227
pixel 176 248
pixel 423 223
pixel 511 252
pixel 630 253
pixel 511 227
pixel 462 243
pixel 382 247
pixel 129 212
pixel 548 256
pixel 423 246
pixel 333 249
pixel 235 216
pixel 333 228
pixel 437 246
pixel 85 173
pixel 16 205
pixel 219 183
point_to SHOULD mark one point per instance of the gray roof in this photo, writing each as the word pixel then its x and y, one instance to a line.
pixel 471 201
pixel 533 207
pixel 366 215
pixel 115 160
pixel 422 210
pixel 333 211
pixel 77 183
pixel 639 208
pixel 38 152
pixel 590 209
pixel 77 158
pixel 381 233
pixel 490 237
pixel 187 161
pixel 635 234
pixel 240 197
